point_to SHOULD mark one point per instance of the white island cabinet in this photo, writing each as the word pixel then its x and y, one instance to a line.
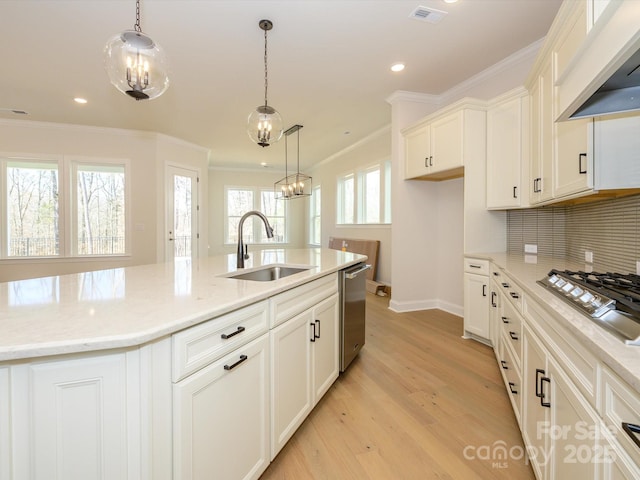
pixel 173 379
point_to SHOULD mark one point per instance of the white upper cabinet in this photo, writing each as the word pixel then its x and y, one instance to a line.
pixel 438 147
pixel 507 143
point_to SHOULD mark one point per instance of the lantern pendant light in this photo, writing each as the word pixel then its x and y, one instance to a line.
pixel 135 63
pixel 264 124
pixel 297 184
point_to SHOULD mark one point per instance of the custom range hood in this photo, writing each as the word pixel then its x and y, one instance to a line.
pixel 603 77
pixel 621 93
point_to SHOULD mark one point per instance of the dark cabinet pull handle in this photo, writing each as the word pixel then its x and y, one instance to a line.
pixel 513 335
pixel 231 367
pixel 505 285
pixel 580 157
pixel 538 382
pixel 515 192
pixel 493 299
pixel 314 330
pixel 504 364
pixel 633 431
pixel 496 274
pixel 536 185
pixel 473 265
pixel 431 161
pixel 512 388
pixel 514 295
pixel 484 290
pixel 542 402
pixel 226 336
pixel 504 320
pixel 313 335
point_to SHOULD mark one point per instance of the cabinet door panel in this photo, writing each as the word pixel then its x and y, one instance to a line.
pixel 504 154
pixel 476 305
pixel 325 348
pixel 418 148
pixel 573 158
pixel 5 425
pixel 573 437
pixel 221 417
pixel 79 418
pixel 291 394
pixel 446 142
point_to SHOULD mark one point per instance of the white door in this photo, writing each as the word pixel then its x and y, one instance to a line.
pixel 182 213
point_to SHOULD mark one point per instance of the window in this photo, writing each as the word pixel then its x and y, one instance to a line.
pixel 60 207
pixel 240 200
pixel 314 216
pixel 100 219
pixel 367 200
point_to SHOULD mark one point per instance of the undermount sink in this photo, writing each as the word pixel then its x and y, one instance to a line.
pixel 268 274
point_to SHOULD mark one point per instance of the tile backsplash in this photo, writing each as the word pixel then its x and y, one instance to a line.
pixel 608 228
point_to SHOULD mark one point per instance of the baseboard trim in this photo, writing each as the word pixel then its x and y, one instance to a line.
pixel 413 306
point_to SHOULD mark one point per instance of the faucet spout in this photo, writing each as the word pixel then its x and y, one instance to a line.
pixel 241 248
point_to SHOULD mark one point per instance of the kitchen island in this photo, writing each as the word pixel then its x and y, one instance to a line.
pixel 165 371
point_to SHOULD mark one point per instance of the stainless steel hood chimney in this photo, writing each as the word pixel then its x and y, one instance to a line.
pixel 621 93
pixel 603 77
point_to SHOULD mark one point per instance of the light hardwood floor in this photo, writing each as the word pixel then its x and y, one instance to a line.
pixel 419 402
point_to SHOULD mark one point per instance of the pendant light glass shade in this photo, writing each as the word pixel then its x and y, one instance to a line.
pixel 136 65
pixel 264 125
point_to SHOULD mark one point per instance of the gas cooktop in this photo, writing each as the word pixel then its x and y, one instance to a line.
pixel 610 299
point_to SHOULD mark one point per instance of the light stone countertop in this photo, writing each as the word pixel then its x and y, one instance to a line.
pixel 525 270
pixel 130 306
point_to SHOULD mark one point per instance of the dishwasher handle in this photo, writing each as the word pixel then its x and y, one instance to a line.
pixel 352 275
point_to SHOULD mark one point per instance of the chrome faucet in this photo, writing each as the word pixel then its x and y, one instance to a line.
pixel 242 252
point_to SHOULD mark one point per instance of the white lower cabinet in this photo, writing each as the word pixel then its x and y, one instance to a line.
pixel 73 419
pixel 476 299
pixel 221 417
pixel 304 364
pixel 560 427
pixel 291 394
pixel 5 425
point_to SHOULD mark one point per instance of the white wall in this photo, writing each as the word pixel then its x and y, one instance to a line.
pixel 372 150
pixel 147 183
pixel 219 178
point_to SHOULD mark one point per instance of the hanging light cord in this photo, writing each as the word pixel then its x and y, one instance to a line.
pixel 298 153
pixel 265 68
pixel 136 27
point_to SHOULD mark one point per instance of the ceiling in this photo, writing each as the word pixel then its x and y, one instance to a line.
pixel 328 64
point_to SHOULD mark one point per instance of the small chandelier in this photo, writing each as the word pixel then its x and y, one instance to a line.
pixel 135 63
pixel 297 184
pixel 264 124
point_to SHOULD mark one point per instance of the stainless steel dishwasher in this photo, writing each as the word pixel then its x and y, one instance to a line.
pixel 353 291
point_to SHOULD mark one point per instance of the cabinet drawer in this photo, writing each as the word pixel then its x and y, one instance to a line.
pixel 512 292
pixel 511 323
pixel 512 377
pixel 198 346
pixel 292 302
pixel 474 265
pixel 619 403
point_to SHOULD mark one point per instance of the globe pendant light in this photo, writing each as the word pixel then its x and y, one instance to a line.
pixel 264 125
pixel 135 63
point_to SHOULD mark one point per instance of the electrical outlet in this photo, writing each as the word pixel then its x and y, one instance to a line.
pixel 637 268
pixel 530 248
pixel 588 256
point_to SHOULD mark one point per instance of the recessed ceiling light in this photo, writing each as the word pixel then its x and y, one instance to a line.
pixel 397 67
pixel 264 164
pixel 80 100
pixel 449 1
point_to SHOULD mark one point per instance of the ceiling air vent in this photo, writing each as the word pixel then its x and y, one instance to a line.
pixel 427 14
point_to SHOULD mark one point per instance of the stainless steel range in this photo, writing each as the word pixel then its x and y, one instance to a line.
pixel 610 299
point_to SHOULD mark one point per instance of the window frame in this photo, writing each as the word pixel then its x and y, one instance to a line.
pixel 359 195
pixel 258 227
pixel 315 211
pixel 67 206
